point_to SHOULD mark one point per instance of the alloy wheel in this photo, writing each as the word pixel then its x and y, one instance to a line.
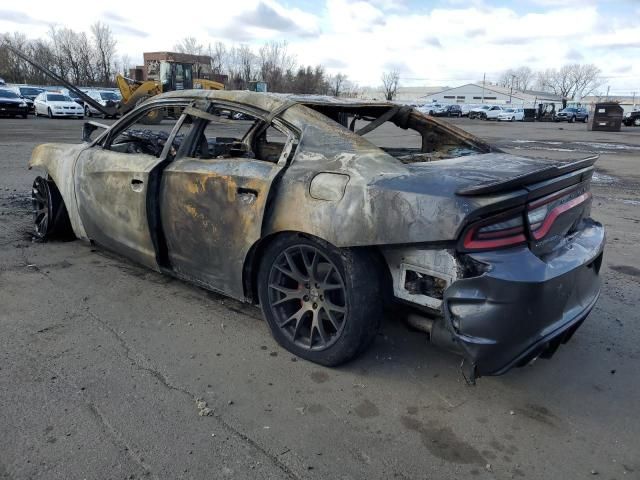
pixel 307 296
pixel 41 207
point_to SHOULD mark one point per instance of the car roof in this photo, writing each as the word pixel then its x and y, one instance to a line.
pixel 273 101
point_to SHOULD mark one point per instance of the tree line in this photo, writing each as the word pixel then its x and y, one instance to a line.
pixel 570 82
pixel 87 60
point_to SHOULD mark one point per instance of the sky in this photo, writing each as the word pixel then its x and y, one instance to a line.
pixel 430 43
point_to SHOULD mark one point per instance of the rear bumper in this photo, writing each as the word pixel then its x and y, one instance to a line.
pixel 524 306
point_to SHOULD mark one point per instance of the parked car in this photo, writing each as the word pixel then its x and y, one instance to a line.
pixel 28 93
pixel 432 108
pixel 632 118
pixel 57 105
pixel 479 111
pixel 466 109
pixel 11 104
pixel 103 97
pixel 511 115
pixel 500 250
pixel 571 114
pixel 492 112
pixel 448 111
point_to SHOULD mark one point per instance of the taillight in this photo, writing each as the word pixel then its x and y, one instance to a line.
pixel 505 232
pixel 542 213
pixel 509 230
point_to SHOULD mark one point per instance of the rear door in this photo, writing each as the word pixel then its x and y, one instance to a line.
pixel 112 180
pixel 212 199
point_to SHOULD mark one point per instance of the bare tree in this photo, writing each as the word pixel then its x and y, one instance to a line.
pixel 336 82
pixel 218 56
pixel 189 45
pixel 520 78
pixel 390 82
pixel 570 81
pixel 105 46
pixel 275 61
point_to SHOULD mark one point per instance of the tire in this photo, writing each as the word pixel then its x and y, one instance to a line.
pixel 636 122
pixel 572 119
pixel 585 119
pixel 50 217
pixel 24 115
pixel 328 326
pixel 49 114
pixel 513 119
pixel 87 112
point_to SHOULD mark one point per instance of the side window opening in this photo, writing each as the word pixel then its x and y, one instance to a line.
pixel 149 133
pixel 234 134
pixel 402 132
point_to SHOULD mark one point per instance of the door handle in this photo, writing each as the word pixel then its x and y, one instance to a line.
pixel 247 195
pixel 137 185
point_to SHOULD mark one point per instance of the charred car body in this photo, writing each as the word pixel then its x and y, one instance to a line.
pixel 494 255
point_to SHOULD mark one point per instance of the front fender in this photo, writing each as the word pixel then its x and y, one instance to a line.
pixel 58 161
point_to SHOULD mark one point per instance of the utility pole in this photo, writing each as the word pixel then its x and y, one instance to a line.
pixel 484 75
pixel 511 91
pixel 608 87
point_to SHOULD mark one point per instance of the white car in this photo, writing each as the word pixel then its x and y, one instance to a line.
pixel 103 97
pixel 511 115
pixel 493 113
pixel 56 105
pixel 478 111
pixel 431 108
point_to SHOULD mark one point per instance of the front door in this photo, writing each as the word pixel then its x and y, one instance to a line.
pixel 112 183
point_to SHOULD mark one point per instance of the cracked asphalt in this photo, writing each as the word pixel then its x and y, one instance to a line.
pixel 105 365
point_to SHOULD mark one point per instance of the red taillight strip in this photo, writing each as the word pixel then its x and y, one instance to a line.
pixel 470 243
pixel 557 211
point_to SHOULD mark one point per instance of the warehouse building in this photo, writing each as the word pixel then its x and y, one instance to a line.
pixel 493 94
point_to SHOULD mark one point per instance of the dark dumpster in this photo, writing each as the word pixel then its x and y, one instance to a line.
pixel 606 117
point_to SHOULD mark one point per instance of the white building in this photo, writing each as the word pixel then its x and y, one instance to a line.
pixel 477 93
pixel 403 94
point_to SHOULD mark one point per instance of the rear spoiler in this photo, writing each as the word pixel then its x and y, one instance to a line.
pixel 513 183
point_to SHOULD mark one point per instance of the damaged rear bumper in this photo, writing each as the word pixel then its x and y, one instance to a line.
pixel 524 306
pixel 515 308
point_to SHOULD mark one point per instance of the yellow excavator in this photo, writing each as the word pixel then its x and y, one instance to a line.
pixel 164 72
pixel 172 76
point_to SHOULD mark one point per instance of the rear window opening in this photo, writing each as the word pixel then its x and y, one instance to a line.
pixel 404 133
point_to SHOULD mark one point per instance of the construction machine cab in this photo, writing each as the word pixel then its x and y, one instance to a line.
pixel 176 76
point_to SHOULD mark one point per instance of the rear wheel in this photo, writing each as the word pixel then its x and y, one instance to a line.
pixel 636 122
pixel 321 303
pixel 50 217
pixel 572 119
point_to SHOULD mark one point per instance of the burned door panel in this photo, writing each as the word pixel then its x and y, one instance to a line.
pixel 211 212
pixel 111 190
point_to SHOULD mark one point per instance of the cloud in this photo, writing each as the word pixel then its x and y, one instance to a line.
pixel 271 17
pixel 121 25
pixel 475 32
pixel 18 17
pixel 433 41
pixel 574 55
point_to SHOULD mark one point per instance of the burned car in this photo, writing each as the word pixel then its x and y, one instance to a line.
pixel 291 205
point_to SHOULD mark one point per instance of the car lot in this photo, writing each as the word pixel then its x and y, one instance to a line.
pixel 101 355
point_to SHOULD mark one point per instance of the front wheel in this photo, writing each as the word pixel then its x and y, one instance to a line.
pixel 50 217
pixel 49 113
pixel 321 303
pixel 87 112
pixel 636 122
pixel 585 119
